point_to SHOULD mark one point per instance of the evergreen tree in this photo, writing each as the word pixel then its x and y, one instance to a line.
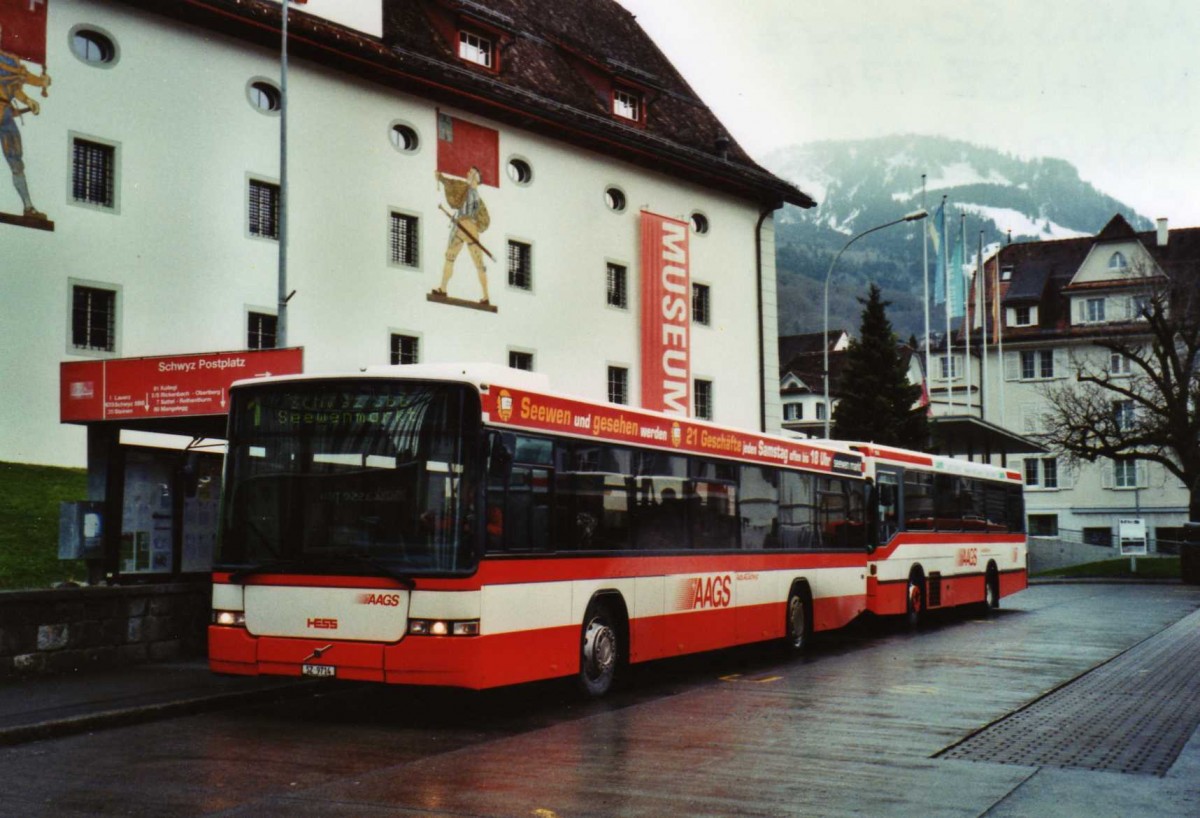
pixel 876 403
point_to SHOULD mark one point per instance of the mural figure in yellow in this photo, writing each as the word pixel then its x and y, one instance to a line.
pixel 14 102
pixel 467 222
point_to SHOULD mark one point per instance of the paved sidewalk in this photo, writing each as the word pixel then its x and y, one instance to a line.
pixel 49 706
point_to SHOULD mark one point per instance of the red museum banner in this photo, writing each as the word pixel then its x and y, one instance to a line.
pixel 666 315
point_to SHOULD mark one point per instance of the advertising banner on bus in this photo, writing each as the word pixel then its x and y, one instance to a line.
pixel 666 315
pixel 621 424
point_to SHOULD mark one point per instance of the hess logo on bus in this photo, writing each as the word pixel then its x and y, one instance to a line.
pixel 705 592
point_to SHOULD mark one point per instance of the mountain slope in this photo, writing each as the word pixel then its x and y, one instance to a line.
pixel 863 183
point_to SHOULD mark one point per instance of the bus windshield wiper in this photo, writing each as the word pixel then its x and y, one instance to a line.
pixel 405 581
pixel 239 576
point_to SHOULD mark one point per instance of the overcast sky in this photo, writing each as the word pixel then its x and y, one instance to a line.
pixel 1112 87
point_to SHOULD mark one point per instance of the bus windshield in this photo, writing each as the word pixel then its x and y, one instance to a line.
pixel 353 476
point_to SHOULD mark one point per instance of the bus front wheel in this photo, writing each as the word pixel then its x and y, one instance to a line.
pixel 599 652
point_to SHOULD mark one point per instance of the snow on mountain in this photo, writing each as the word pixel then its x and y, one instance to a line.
pixel 865 183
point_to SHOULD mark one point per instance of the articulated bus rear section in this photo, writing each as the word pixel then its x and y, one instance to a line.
pixel 950 533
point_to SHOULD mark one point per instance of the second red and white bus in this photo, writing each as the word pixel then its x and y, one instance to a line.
pixel 465 526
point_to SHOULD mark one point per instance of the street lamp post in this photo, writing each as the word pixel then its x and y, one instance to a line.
pixel 915 216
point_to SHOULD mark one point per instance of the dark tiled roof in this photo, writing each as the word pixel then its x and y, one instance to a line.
pixel 557 61
pixel 1042 273
pixel 806 343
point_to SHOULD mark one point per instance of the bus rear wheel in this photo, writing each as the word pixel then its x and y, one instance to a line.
pixel 799 619
pixel 599 652
pixel 914 609
pixel 991 590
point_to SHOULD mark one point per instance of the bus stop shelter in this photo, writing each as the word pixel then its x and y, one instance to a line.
pixel 155 437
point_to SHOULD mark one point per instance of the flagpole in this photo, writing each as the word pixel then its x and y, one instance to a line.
pixel 981 300
pixel 925 283
pixel 998 321
pixel 959 282
pixel 946 284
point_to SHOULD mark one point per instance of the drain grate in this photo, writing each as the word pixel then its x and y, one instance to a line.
pixel 1132 714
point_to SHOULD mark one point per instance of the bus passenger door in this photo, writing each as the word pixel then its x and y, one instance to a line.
pixel 887 490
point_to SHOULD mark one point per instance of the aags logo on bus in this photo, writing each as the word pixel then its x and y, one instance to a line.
pixel 704 592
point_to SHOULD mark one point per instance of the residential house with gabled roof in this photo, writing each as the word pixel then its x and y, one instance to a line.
pixel 1056 301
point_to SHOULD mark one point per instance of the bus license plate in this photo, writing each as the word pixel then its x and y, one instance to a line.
pixel 321 671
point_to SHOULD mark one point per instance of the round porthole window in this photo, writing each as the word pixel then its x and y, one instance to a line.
pixel 93 46
pixel 264 96
pixel 699 223
pixel 614 197
pixel 404 138
pixel 520 171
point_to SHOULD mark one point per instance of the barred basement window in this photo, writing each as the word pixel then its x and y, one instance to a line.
pixel 618 384
pixel 93 318
pixel 92 173
pixel 700 304
pixel 520 273
pixel 702 399
pixel 617 292
pixel 406 349
pixel 404 240
pixel 262 331
pixel 263 217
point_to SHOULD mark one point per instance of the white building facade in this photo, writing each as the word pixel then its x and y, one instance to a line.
pixel 153 168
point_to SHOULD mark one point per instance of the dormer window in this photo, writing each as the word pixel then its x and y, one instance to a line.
pixel 476 48
pixel 1006 273
pixel 1117 261
pixel 627 104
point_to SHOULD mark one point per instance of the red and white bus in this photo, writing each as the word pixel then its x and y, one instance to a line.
pixel 464 526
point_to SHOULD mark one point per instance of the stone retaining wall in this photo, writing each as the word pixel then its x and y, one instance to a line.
pixel 82 628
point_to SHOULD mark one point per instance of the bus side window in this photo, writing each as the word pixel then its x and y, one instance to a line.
pixel 887 493
pixel 758 491
pixel 796 513
pixel 659 512
pixel 519 497
pixel 712 505
pixel 918 501
pixel 592 508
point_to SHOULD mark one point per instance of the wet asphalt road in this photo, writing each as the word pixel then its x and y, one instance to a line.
pixel 850 729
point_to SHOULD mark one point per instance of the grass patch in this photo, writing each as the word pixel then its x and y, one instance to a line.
pixel 1147 568
pixel 29 498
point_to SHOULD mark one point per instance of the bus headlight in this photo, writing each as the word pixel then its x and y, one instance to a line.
pixel 229 619
pixel 443 627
